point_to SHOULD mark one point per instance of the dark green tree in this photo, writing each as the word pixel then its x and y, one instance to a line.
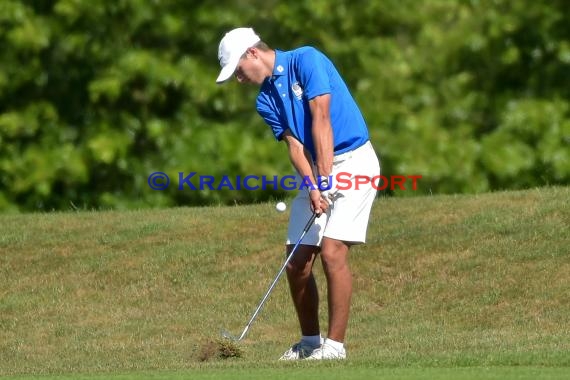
pixel 95 96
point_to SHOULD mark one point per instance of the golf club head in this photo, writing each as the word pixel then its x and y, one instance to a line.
pixel 226 335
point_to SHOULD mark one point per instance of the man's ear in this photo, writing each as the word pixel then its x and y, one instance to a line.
pixel 252 51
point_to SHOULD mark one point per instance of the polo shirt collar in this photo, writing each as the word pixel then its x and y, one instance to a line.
pixel 280 66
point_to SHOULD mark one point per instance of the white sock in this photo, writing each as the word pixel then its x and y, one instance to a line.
pixel 339 346
pixel 312 340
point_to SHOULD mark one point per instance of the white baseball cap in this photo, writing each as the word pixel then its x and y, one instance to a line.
pixel 234 44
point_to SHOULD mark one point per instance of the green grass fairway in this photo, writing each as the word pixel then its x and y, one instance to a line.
pixel 447 287
pixel 337 372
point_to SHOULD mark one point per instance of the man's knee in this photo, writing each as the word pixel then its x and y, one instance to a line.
pixel 334 252
pixel 301 263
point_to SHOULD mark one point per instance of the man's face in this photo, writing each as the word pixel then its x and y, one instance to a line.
pixel 249 69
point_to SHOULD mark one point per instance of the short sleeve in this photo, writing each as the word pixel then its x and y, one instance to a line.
pixel 271 117
pixel 311 67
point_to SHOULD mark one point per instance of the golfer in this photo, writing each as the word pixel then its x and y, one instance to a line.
pixel 307 104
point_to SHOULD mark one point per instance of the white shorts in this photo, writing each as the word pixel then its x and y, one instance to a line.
pixel 347 218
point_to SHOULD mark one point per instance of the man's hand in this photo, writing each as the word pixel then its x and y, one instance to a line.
pixel 327 189
pixel 318 204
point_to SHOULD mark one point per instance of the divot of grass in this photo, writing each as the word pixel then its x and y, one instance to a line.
pixel 219 349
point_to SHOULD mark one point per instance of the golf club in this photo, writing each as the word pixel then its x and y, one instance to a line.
pixel 225 333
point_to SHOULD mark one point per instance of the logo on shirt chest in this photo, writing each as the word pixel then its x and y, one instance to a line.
pixel 297 90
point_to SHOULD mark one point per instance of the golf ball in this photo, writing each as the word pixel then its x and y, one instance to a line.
pixel 280 206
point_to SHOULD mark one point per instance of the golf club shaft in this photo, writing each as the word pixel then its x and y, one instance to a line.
pixel 256 312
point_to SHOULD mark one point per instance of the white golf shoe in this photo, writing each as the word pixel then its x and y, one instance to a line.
pixel 327 352
pixel 298 351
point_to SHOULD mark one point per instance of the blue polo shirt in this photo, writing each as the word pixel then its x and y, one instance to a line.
pixel 298 76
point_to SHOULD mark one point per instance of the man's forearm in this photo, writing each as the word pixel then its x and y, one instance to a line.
pixel 301 160
pixel 322 134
